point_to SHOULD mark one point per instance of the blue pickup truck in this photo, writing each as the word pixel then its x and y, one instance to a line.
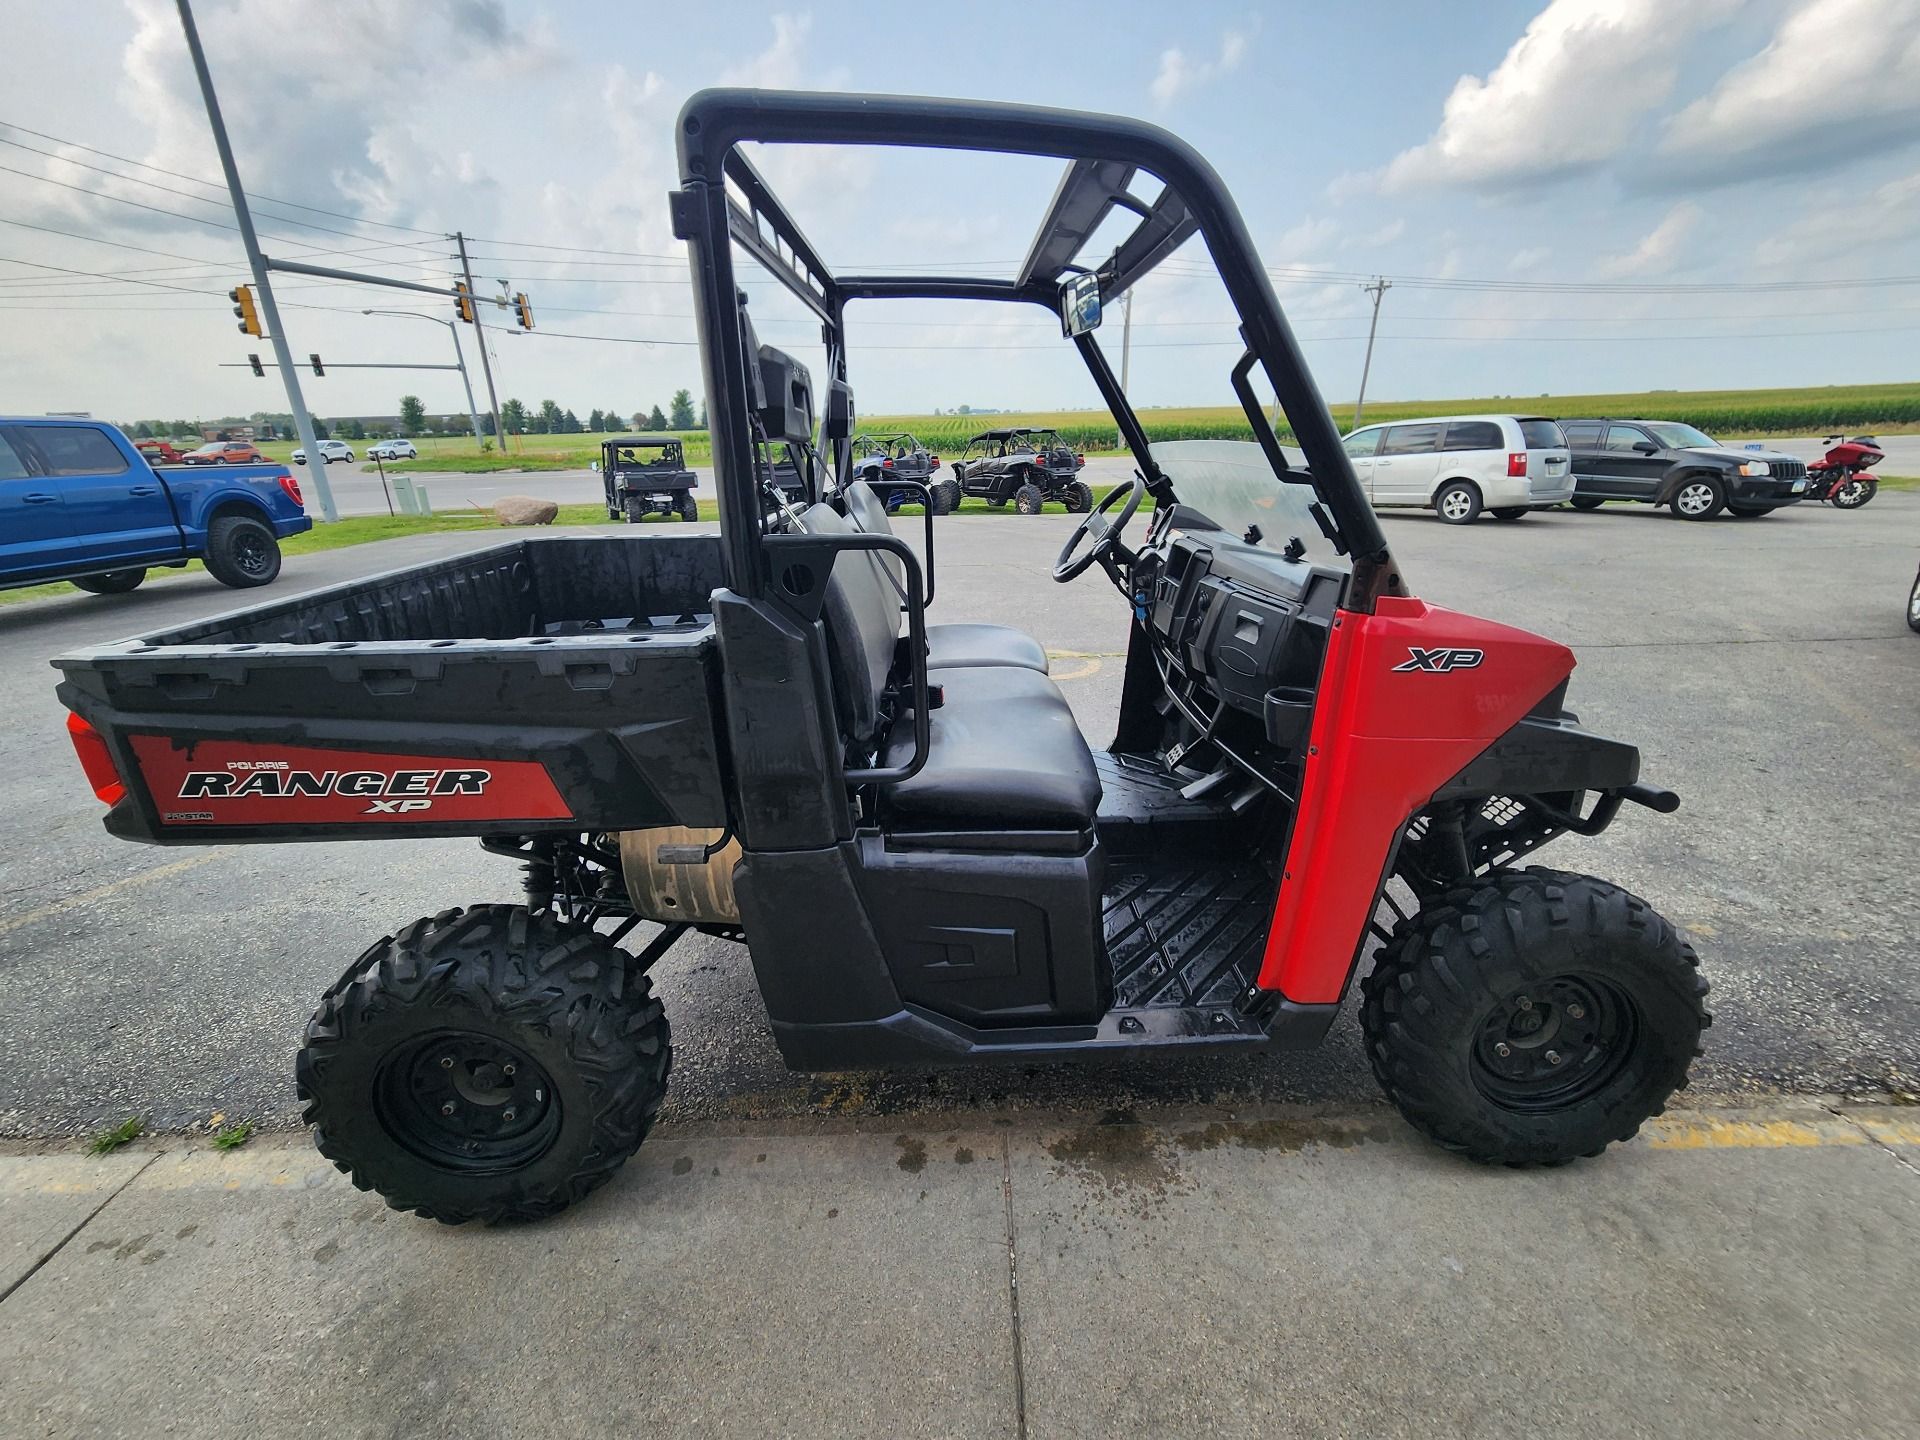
pixel 79 503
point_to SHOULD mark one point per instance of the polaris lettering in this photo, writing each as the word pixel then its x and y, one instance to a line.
pixel 368 783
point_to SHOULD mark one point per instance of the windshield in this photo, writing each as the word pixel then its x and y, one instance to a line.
pixel 1231 483
pixel 1676 436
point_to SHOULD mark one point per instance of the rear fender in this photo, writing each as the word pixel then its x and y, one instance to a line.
pixel 1409 696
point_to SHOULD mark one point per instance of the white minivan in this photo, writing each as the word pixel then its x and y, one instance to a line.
pixel 1459 465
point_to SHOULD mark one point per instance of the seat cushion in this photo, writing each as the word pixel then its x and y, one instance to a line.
pixel 958 647
pixel 1006 755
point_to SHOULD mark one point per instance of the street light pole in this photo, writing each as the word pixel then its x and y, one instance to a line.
pixel 459 357
pixel 302 422
pixel 480 336
pixel 1378 288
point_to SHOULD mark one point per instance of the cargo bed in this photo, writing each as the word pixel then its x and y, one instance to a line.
pixel 550 684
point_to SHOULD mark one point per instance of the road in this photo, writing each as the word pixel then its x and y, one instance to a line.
pixel 357 489
pixel 1763 667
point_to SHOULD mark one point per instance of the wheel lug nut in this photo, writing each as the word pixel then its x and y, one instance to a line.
pixel 1576 1012
pixel 1553 1057
pixel 447 1109
pixel 1503 1050
pixel 508 1069
pixel 446 1062
pixel 1524 1002
pixel 506 1114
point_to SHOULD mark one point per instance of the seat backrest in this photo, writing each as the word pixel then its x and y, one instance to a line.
pixel 868 512
pixel 862 616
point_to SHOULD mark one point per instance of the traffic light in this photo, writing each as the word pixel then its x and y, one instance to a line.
pixel 525 309
pixel 242 297
pixel 258 368
pixel 463 300
pixel 318 368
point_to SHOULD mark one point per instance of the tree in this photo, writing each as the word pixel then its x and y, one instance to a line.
pixel 183 428
pixel 639 419
pixel 682 418
pixel 655 420
pixel 320 429
pixel 596 420
pixel 141 431
pixel 350 429
pixel 615 421
pixel 571 424
pixel 513 415
pixel 413 415
pixel 486 424
pixel 550 418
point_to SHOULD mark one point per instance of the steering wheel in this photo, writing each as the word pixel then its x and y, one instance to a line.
pixel 1105 532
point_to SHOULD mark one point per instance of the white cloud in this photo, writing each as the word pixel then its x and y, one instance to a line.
pixel 1570 95
pixel 1888 216
pixel 1840 78
pixel 1530 258
pixel 1657 253
pixel 1179 74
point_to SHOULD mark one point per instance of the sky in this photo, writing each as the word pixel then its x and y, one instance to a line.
pixel 1589 196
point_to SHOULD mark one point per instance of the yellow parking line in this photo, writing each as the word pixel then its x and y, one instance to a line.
pixel 1675 1132
pixel 100 892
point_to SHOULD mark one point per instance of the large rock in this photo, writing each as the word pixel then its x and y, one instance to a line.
pixel 524 510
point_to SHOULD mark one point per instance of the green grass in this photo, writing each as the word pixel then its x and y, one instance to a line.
pixel 1730 414
pixel 125 1133
pixel 232 1137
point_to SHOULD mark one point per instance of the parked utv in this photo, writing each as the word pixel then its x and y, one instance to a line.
pixel 647 475
pixel 1031 468
pixel 884 460
pixel 761 735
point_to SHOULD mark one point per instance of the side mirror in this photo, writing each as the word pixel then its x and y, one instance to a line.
pixel 1079 304
pixel 596 467
pixel 1645 447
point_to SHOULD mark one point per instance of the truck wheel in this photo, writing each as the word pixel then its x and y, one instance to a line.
pixel 945 497
pixel 1587 502
pixel 1458 502
pixel 486 1064
pixel 114 582
pixel 1533 1017
pixel 1698 498
pixel 1079 497
pixel 1029 499
pixel 689 508
pixel 242 551
pixel 1509 512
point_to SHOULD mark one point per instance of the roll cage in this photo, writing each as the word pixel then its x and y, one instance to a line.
pixel 723 201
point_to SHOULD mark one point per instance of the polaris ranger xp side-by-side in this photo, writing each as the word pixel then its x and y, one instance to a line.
pixel 762 735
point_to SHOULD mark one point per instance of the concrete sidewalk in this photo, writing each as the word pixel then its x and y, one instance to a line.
pixel 1287 1273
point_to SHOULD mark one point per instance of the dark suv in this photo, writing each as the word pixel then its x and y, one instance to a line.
pixel 1666 462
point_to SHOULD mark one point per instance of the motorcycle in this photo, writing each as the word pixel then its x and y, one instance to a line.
pixel 1841 479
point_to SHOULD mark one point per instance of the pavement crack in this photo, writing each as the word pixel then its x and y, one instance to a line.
pixel 1013 1293
pixel 1872 1139
pixel 66 1239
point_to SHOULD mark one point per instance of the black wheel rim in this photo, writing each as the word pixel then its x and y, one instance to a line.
pixel 1554 1043
pixel 251 553
pixel 467 1102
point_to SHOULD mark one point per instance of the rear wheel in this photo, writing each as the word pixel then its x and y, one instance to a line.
pixel 1079 497
pixel 242 551
pixel 1913 605
pixel 1458 502
pixel 1029 499
pixel 486 1064
pixel 1698 498
pixel 114 582
pixel 636 512
pixel 1587 502
pixel 1533 1017
pixel 943 497
pixel 689 508
pixel 1509 512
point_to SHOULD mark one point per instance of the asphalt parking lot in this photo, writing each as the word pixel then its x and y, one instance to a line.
pixel 1764 668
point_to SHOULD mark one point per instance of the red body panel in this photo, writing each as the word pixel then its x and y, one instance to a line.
pixel 1408 696
pixel 217 782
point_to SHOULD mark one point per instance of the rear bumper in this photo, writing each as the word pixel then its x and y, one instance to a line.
pixel 286 525
pixel 1556 490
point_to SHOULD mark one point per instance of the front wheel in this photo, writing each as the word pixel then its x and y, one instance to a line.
pixel 1079 497
pixel 1698 498
pixel 486 1064
pixel 1509 512
pixel 1913 605
pixel 1029 499
pixel 1587 502
pixel 945 496
pixel 242 552
pixel 1533 1017
pixel 689 508
pixel 1855 493
pixel 114 582
pixel 1458 502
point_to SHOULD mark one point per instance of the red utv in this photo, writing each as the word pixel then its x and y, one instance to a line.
pixel 763 735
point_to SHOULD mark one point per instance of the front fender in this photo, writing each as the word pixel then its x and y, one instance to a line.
pixel 1673 480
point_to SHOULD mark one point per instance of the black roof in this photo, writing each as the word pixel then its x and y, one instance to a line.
pixel 1016 430
pixel 642 440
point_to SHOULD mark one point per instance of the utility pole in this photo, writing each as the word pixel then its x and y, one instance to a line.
pixel 480 337
pixel 302 422
pixel 1378 288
